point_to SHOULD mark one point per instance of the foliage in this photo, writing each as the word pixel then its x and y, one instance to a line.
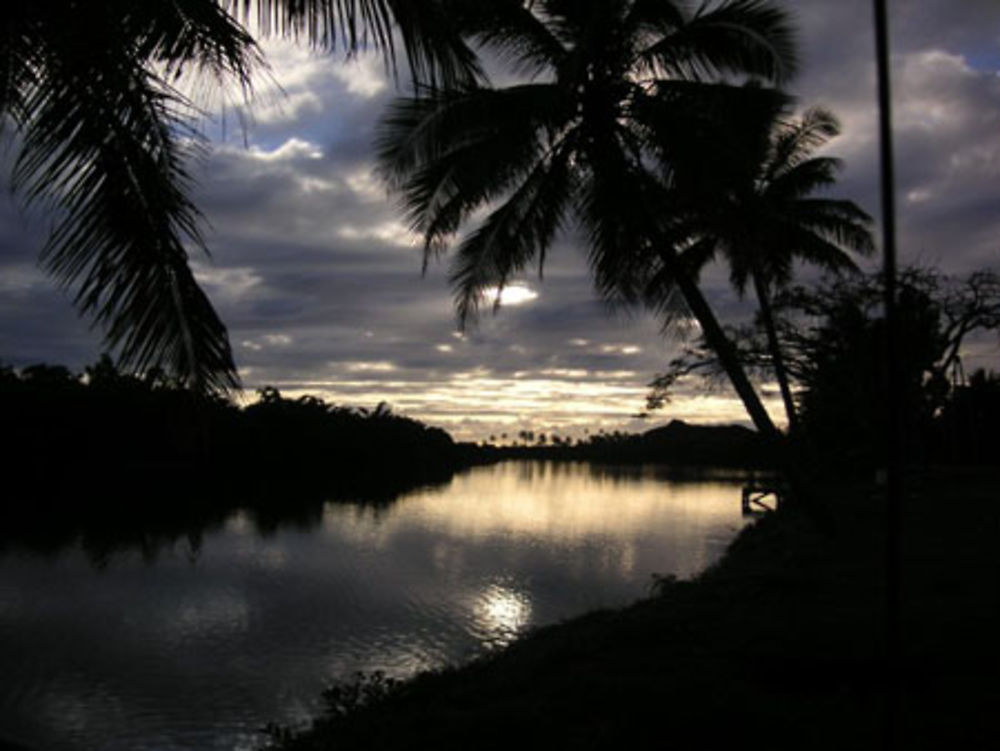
pixel 342 701
pixel 106 433
pixel 759 209
pixel 967 430
pixel 104 137
pixel 833 337
pixel 685 449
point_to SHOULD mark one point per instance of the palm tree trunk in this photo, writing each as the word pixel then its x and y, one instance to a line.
pixel 780 372
pixel 895 490
pixel 723 348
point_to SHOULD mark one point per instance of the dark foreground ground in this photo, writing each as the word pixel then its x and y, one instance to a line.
pixel 781 645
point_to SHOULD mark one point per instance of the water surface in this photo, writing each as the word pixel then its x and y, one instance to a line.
pixel 201 642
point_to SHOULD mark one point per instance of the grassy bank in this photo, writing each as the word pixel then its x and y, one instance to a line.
pixel 781 645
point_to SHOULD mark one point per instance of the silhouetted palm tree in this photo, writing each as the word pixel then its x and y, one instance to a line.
pixel 761 213
pixel 103 136
pixel 611 82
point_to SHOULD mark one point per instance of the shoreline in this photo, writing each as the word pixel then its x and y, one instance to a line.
pixel 780 643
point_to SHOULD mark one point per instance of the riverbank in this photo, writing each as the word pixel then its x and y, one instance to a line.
pixel 780 645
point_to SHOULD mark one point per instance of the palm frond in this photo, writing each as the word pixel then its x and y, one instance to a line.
pixel 18 65
pixel 193 33
pixel 101 143
pixel 448 153
pixel 840 221
pixel 795 142
pixel 624 210
pixel 737 37
pixel 802 179
pixel 433 38
pixel 520 229
pixel 433 44
pixel 514 32
pixel 325 24
pixel 822 249
pixel 655 18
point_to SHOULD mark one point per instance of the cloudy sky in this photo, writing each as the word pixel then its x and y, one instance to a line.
pixel 319 281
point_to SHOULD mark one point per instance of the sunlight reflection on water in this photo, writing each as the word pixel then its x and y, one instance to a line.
pixel 200 650
pixel 501 613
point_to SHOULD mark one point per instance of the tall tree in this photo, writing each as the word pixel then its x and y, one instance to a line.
pixel 103 137
pixel 589 135
pixel 759 210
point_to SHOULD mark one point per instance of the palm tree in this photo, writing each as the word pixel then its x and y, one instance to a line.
pixel 760 212
pixel 103 136
pixel 590 135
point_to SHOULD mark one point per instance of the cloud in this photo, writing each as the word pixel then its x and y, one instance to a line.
pixel 363 76
pixel 318 278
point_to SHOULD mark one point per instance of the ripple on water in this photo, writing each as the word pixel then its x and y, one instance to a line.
pixel 181 653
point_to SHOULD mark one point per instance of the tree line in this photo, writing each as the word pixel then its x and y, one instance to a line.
pixel 114 437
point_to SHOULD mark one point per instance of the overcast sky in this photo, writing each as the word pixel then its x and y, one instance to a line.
pixel 319 281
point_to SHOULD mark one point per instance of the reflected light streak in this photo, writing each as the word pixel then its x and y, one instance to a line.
pixel 501 613
pixel 552 505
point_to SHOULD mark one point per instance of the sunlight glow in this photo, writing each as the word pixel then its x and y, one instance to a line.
pixel 370 367
pixel 502 613
pixel 512 294
pixel 363 75
pixel 390 232
pixel 291 150
pixel 621 349
pixel 231 284
pixel 472 404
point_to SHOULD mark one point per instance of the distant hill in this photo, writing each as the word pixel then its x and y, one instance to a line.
pixel 724 445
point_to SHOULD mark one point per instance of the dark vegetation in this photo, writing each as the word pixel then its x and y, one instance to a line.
pixel 113 456
pixel 832 335
pixel 780 646
pixel 677 444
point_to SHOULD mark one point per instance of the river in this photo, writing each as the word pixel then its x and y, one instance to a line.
pixel 198 643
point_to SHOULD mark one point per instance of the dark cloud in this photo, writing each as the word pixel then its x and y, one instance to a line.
pixel 319 282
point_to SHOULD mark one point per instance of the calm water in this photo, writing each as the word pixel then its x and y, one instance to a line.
pixel 199 646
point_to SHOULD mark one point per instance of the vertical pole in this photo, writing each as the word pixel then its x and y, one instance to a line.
pixel 894 487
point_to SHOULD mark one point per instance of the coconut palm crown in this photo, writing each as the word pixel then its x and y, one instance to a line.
pixel 589 136
pixel 759 210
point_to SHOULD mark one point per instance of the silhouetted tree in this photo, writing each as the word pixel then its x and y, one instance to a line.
pixel 831 334
pixel 612 85
pixel 759 209
pixel 968 429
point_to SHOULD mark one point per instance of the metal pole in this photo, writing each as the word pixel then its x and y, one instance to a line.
pixel 894 479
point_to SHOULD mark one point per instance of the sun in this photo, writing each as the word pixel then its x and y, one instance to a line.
pixel 512 294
